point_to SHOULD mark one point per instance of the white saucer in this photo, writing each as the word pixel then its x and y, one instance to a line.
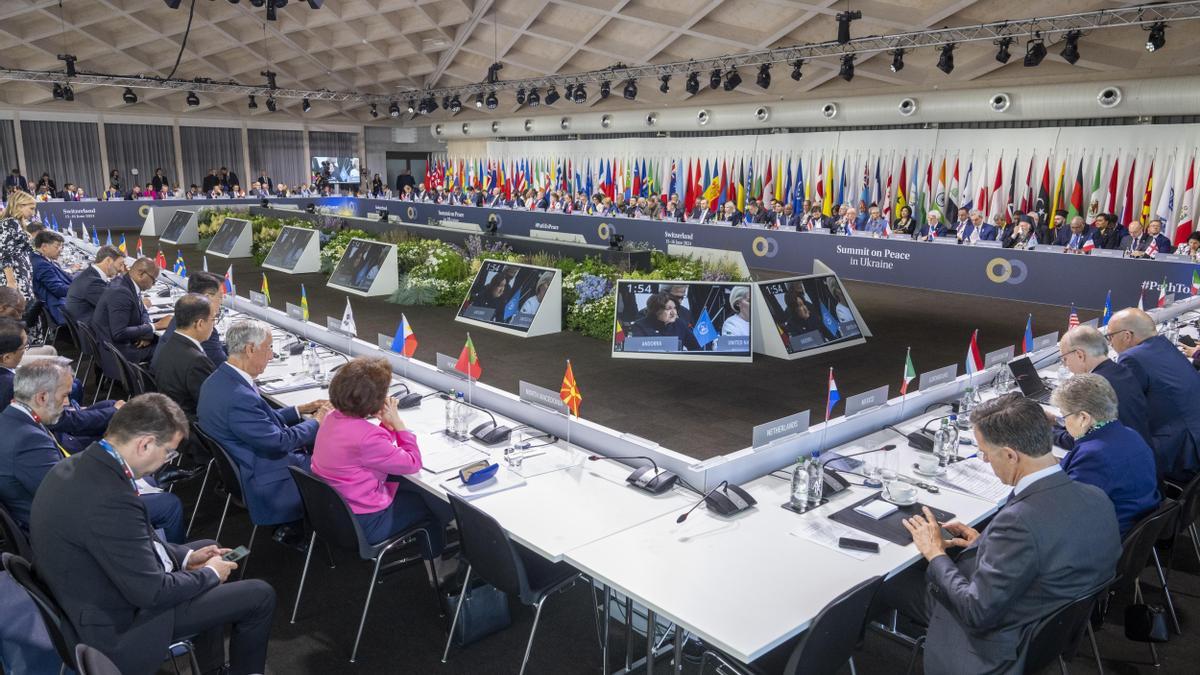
pixel 884 497
pixel 940 471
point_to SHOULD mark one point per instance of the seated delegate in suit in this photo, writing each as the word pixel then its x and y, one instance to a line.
pixel 356 457
pixel 120 317
pixel 28 451
pixel 1072 237
pixel 1106 453
pixel 50 282
pixel 12 306
pixel 730 214
pixel 1154 232
pixel 904 224
pixel 662 320
pixel 263 441
pixel 181 366
pixel 1106 232
pixel 1136 242
pixel 1172 388
pixel 211 286
pixel 125 592
pixel 1053 541
pixel 1085 350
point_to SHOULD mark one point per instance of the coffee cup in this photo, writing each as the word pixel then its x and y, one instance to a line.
pixel 927 462
pixel 899 492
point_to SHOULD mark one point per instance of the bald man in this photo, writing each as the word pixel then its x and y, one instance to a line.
pixel 120 317
pixel 1171 386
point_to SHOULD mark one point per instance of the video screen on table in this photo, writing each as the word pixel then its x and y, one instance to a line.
pixel 683 320
pixel 179 220
pixel 359 264
pixel 288 247
pixel 336 169
pixel 507 294
pixel 810 312
pixel 223 241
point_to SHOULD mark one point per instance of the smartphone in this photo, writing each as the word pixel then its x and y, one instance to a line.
pixel 858 545
pixel 236 554
pixel 1187 340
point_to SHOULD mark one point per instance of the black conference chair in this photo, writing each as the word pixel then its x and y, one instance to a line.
pixel 15 541
pixel 143 376
pixel 116 368
pixel 91 661
pixel 49 327
pixel 73 333
pixel 231 480
pixel 1137 550
pixel 1188 497
pixel 1056 637
pixel 91 350
pixel 328 515
pixel 506 565
pixel 830 640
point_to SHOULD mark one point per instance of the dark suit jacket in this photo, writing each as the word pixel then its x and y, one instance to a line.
pixel 120 316
pixel 1063 236
pixel 1049 545
pixel 1109 239
pixel 262 440
pixel 1131 243
pixel 1131 402
pixel 1115 459
pixel 50 285
pixel 93 542
pixel 1172 388
pixel 213 347
pixel 27 453
pixel 77 427
pixel 84 293
pixel 179 370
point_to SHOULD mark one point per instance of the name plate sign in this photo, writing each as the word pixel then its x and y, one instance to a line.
pixel 796 423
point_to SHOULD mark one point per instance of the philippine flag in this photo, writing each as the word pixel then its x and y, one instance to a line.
pixel 833 398
pixel 405 341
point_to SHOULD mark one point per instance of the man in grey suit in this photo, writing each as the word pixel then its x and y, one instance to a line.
pixel 1054 540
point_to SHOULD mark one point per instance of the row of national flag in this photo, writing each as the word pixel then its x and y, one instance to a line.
pixel 1132 185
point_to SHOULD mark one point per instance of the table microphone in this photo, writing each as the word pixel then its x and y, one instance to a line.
pixel 727 502
pixel 488 433
pixel 841 483
pixel 656 483
pixel 409 399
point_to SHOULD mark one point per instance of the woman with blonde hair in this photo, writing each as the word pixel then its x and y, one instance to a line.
pixel 14 243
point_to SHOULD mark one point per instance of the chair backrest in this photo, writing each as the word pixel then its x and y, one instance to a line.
pixel 87 339
pixel 328 514
pixel 1189 503
pixel 62 633
pixel 835 632
pixel 1057 634
pixel 112 364
pixel 92 661
pixel 1135 549
pixel 227 469
pixel 72 330
pixel 148 383
pixel 15 541
pixel 488 549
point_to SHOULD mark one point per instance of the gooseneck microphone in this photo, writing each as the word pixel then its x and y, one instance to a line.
pixel 649 478
pixel 703 499
pixel 488 433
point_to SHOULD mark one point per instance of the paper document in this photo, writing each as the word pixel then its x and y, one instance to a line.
pixel 974 476
pixel 826 532
pixel 445 458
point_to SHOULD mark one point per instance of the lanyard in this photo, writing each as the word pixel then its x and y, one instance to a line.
pixel 120 460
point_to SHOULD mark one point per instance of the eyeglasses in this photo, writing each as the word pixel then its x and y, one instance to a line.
pixel 1109 336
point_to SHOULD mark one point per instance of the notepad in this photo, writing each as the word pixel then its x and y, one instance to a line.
pixel 876 509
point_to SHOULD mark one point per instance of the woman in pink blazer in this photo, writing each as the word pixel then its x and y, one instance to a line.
pixel 356 456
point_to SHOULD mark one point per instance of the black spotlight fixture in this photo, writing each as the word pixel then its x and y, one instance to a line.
pixel 479 100
pixel 714 78
pixel 271 104
pixel 693 83
pixel 630 91
pixel 305 105
pixel 580 94
pixel 129 96
pixel 253 104
pixel 1002 54
pixel 57 91
pixel 432 104
pixel 605 89
pixel 897 60
pixel 764 76
pixel 534 99
pixel 843 21
pixel 493 72
pixel 664 83
pixel 797 69
pixel 69 93
pixel 570 91
pixel 192 99
pixel 374 110
pixel 846 72
pixel 70 60
pixel 446 101
pixel 270 75
pixel 552 96
pixel 732 79
pixel 521 96
pixel 491 101
pixel 422 107
pixel 1070 53
pixel 946 59
pixel 411 108
pixel 1157 37
pixel 1035 51
pixel 394 109
pixel 455 104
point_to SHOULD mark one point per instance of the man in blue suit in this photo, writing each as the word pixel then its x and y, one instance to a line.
pixel 120 317
pixel 1085 350
pixel 212 285
pixel 50 282
pixel 28 451
pixel 1172 388
pixel 263 441
pixel 87 287
pixel 1074 235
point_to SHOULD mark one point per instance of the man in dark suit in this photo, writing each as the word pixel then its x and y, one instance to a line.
pixel 212 286
pixel 181 365
pixel 15 181
pixel 210 181
pixel 125 592
pixel 50 282
pixel 1135 243
pixel 1107 233
pixel 87 286
pixel 1055 540
pixel 1084 350
pixel 700 213
pixel 265 181
pixel 497 200
pixel 1172 388
pixel 405 179
pixel 121 318
pixel 262 440
pixel 1072 237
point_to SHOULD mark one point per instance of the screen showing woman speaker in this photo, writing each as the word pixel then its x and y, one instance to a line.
pixel 507 294
pixel 359 265
pixel 810 312
pixel 179 220
pixel 227 235
pixel 288 247
pixel 683 320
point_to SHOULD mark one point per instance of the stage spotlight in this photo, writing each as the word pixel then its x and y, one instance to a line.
pixel 1002 54
pixel 846 72
pixel 1157 37
pixel 1035 51
pixel 70 60
pixel 446 101
pixel 764 76
pixel 630 91
pixel 946 59
pixel 843 21
pixel 394 109
pixel 57 91
pixel 897 60
pixel 693 83
pixel 412 106
pixel 129 96
pixel 305 105
pixel 605 89
pixel 431 103
pixel 479 100
pixel 192 99
pixel 797 69
pixel 665 83
pixel 270 75
pixel 491 102
pixel 253 104
pixel 534 99
pixel 374 110
pixel 493 72
pixel 580 94
pixel 732 79
pixel 423 107
pixel 521 96
pixel 455 105
pixel 1070 53
pixel 552 96
pixel 714 78
pixel 69 93
pixel 570 91
pixel 271 104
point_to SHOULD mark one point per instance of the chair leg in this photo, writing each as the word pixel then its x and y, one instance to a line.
pixel 1095 648
pixel 199 496
pixel 1162 578
pixel 312 543
pixel 366 606
pixel 245 564
pixel 916 651
pixel 457 609
pixel 852 669
pixel 1062 665
pixel 110 388
pixel 1195 540
pixel 1153 654
pixel 537 614
pixel 225 510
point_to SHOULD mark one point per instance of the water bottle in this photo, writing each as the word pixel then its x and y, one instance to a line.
pixel 965 406
pixel 939 442
pixel 800 484
pixel 816 481
pixel 952 437
pixel 312 362
pixel 450 408
pixel 461 416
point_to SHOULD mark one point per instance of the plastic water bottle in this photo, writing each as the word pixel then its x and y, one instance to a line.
pixel 816 481
pixel 952 437
pixel 312 362
pixel 800 484
pixel 939 442
pixel 450 408
pixel 460 416
pixel 965 406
